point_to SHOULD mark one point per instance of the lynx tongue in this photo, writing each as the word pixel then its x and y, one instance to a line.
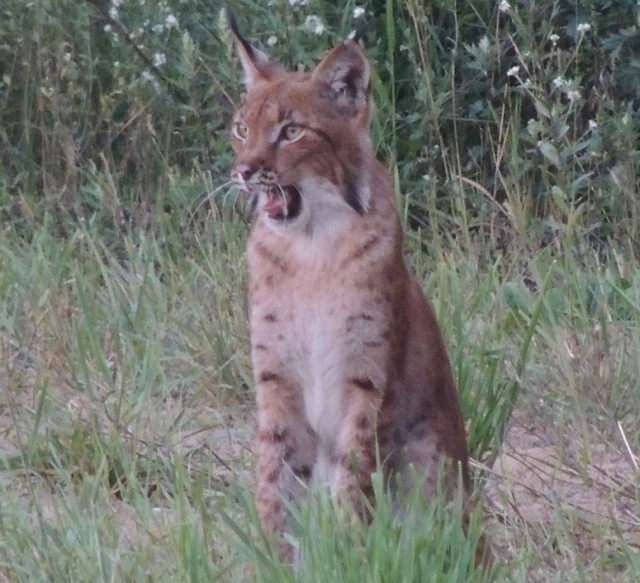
pixel 283 202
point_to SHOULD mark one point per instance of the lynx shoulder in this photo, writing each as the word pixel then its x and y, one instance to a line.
pixel 348 359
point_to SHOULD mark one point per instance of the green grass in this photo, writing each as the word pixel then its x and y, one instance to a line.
pixel 126 399
pixel 126 414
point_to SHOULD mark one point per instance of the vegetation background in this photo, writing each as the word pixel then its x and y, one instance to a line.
pixel 511 129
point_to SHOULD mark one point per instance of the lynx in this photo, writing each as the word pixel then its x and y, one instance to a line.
pixel 349 362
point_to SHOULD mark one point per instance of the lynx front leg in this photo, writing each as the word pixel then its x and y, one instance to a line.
pixel 285 450
pixel 274 442
pixel 356 445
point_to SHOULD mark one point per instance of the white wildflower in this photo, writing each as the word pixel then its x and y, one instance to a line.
pixel 583 27
pixel 484 44
pixel 113 12
pixel 573 95
pixel 625 119
pixel 159 59
pixel 559 82
pixel 504 6
pixel 593 125
pixel 158 28
pixel 117 3
pixel 554 38
pixel 107 28
pixel 272 40
pixel 358 12
pixel 513 71
pixel 298 3
pixel 148 75
pixel 171 21
pixel 314 24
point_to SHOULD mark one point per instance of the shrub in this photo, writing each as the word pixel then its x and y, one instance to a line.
pixel 522 116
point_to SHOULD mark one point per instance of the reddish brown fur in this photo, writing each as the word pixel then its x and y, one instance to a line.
pixel 347 353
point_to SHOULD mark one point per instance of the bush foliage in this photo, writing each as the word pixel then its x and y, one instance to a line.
pixel 514 117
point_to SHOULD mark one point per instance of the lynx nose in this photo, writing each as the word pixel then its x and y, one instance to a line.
pixel 244 171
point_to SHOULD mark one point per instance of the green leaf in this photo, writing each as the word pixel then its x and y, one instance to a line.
pixel 550 152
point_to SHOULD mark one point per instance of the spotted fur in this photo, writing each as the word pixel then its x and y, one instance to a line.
pixel 348 359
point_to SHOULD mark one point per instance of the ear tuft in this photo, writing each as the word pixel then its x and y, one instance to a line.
pixel 346 76
pixel 257 66
pixel 356 35
pixel 233 23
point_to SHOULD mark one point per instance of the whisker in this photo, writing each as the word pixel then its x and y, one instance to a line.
pixel 285 206
pixel 235 192
pixel 205 196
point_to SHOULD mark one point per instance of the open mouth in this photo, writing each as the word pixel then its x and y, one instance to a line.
pixel 283 202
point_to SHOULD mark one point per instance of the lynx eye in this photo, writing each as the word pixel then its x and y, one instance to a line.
pixel 292 132
pixel 240 130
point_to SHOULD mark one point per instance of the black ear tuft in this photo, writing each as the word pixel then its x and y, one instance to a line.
pixel 233 23
pixel 256 65
pixel 357 35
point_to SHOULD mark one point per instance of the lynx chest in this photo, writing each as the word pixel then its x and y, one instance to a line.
pixel 317 323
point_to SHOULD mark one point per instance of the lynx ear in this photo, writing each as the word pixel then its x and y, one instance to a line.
pixel 257 65
pixel 345 74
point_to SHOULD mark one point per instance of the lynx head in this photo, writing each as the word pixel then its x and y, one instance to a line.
pixel 303 151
